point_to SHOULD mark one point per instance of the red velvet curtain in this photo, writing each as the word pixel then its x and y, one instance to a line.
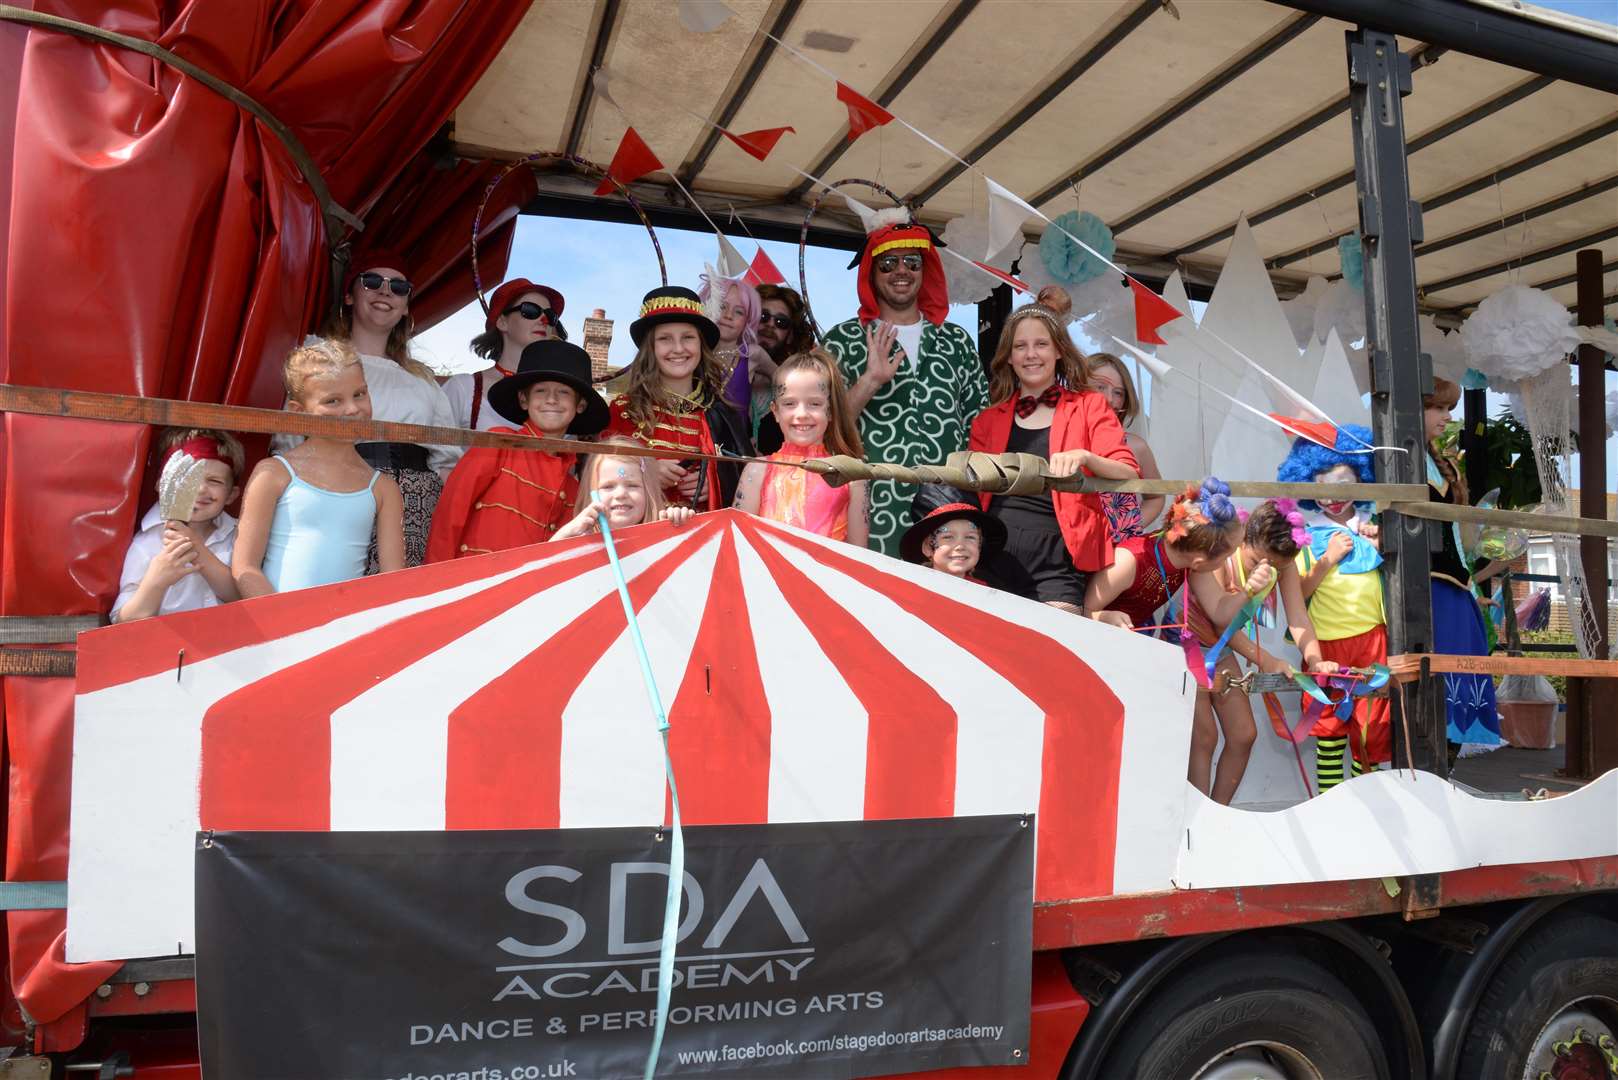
pixel 159 241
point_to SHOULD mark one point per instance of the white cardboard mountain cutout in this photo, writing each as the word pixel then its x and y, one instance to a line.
pixel 1336 389
pixel 1184 426
pixel 1243 314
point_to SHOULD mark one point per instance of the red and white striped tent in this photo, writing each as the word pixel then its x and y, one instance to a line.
pixel 805 680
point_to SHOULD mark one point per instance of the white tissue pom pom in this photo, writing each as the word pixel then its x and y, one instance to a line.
pixel 1300 310
pixel 969 236
pixel 1518 333
pixel 1448 356
pixel 1342 308
pixel 1032 273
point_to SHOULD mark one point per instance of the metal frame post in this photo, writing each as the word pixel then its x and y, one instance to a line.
pixel 1390 227
pixel 1592 735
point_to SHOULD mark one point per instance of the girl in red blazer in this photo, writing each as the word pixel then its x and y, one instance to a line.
pixel 1041 403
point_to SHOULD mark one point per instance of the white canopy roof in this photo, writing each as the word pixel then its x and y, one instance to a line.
pixel 1167 120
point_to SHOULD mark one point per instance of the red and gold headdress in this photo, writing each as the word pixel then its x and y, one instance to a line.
pixel 905 237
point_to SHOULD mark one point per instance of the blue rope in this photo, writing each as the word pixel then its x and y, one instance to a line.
pixel 671 905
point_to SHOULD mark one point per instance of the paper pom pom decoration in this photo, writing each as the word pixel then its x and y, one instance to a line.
pixel 1449 359
pixel 1300 310
pixel 1342 308
pixel 1352 256
pixel 1473 379
pixel 1518 333
pixel 969 236
pixel 1069 263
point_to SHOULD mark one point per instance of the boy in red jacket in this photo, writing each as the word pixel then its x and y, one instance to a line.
pixel 499 499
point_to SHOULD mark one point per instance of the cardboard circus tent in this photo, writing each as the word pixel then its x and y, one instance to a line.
pixel 805 679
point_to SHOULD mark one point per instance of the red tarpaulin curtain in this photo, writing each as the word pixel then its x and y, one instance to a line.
pixel 427 216
pixel 159 241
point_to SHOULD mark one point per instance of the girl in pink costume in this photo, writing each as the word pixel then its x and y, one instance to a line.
pixel 809 405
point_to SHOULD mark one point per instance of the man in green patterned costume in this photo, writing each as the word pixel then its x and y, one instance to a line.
pixel 917 398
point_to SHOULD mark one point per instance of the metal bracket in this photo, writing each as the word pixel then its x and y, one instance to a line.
pixel 1423 896
pixel 1090 977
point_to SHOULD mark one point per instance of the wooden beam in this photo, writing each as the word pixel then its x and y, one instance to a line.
pixel 1407 666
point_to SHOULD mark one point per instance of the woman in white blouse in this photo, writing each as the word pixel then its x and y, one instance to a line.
pixel 375 319
pixel 520 313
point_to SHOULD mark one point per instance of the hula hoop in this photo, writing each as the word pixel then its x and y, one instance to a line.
pixel 589 166
pixel 803 238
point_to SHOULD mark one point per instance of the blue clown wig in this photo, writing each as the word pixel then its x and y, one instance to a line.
pixel 1309 459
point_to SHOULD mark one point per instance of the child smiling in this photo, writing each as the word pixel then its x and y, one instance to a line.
pixel 812 411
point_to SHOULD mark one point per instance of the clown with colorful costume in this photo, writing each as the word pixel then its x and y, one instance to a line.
pixel 1342 582
pixel 917 399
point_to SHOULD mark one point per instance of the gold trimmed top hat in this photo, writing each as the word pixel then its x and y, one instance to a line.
pixel 673 303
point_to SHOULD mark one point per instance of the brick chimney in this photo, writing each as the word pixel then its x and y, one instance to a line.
pixel 597 339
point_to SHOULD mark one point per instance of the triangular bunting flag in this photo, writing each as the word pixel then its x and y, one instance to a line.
pixel 1007 212
pixel 731 263
pixel 758 143
pixel 633 160
pixel 763 271
pixel 1151 312
pixel 1314 430
pixel 1003 276
pixel 863 113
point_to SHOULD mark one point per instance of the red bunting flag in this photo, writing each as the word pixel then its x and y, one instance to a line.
pixel 1003 276
pixel 763 271
pixel 863 113
pixel 633 160
pixel 758 143
pixel 1151 312
pixel 1316 431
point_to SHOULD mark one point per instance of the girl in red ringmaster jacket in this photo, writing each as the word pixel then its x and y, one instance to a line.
pixel 1041 403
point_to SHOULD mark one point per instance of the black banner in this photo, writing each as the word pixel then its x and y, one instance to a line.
pixel 839 949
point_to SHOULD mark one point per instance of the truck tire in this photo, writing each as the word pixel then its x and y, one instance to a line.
pixel 1560 979
pixel 1260 1017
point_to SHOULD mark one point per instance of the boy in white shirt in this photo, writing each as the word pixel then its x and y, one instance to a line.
pixel 180 567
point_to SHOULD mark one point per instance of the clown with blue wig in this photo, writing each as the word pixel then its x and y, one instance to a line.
pixel 1342 583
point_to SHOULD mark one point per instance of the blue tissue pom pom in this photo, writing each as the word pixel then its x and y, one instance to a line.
pixel 1066 261
pixel 1474 380
pixel 1352 256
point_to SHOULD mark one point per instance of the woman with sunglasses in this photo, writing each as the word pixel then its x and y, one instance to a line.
pixel 375 319
pixel 520 313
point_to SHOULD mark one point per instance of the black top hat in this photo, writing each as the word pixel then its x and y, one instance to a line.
pixel 994 532
pixel 673 303
pixel 552 361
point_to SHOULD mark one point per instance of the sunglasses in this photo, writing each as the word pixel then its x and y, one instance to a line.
pixel 372 281
pixel 781 322
pixel 887 264
pixel 529 310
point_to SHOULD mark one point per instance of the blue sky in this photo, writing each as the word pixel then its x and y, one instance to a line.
pixel 1600 10
pixel 598 264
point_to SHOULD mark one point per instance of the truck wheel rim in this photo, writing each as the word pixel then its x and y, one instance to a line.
pixel 1260 1060
pixel 1583 1030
